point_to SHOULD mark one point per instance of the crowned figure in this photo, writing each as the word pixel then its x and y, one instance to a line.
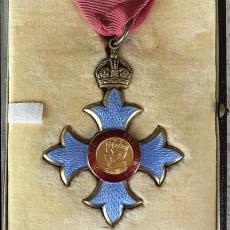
pixel 115 155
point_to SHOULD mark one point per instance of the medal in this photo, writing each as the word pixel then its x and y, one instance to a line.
pixel 113 156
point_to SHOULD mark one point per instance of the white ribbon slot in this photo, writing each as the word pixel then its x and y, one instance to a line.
pixel 29 112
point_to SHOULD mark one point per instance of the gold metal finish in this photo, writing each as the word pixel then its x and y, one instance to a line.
pixel 222 110
pixel 114 155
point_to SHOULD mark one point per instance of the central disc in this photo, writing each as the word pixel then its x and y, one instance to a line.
pixel 114 155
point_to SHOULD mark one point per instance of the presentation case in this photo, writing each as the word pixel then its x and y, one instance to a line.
pixel 49 53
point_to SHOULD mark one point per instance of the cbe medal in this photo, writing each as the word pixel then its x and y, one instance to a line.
pixel 113 155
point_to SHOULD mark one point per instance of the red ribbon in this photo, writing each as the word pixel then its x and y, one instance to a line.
pixel 108 17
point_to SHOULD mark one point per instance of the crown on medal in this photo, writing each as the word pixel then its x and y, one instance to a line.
pixel 113 72
pixel 117 145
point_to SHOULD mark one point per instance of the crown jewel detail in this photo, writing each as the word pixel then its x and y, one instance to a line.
pixel 113 72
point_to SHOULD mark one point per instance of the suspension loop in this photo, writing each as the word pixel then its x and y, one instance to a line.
pixel 116 41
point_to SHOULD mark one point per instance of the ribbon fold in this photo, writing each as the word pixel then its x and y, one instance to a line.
pixel 108 18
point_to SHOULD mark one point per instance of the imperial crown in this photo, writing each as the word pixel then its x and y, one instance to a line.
pixel 113 72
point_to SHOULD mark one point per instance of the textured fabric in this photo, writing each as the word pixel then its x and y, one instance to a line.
pixel 52 56
pixel 25 113
pixel 109 17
